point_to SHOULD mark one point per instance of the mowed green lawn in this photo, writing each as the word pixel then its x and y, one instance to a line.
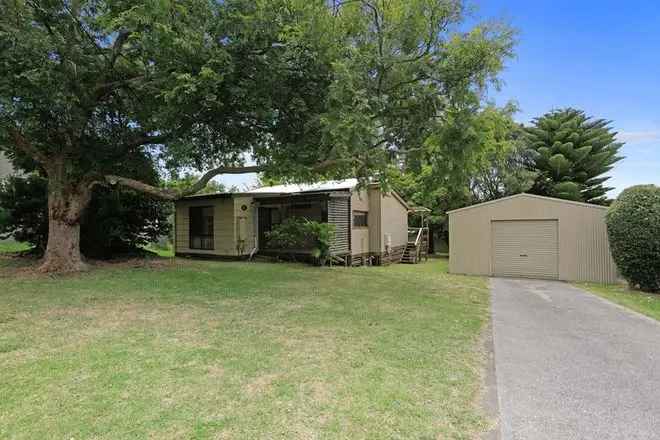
pixel 12 246
pixel 203 349
pixel 645 303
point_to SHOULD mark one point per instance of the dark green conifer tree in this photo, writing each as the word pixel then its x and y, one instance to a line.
pixel 573 152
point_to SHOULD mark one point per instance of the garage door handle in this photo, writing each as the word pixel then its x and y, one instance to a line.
pixel 523 255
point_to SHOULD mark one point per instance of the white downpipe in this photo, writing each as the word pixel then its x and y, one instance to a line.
pixel 254 250
pixel 255 231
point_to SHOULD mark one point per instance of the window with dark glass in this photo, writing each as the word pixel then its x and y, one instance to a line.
pixel 201 227
pixel 360 219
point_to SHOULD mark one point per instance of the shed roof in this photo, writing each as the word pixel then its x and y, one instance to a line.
pixel 526 195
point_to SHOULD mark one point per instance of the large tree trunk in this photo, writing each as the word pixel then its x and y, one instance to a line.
pixel 66 204
pixel 63 250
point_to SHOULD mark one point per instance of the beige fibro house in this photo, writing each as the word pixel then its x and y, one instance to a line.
pixel 531 236
pixel 371 227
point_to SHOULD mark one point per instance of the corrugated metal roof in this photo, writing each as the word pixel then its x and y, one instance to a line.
pixel 330 185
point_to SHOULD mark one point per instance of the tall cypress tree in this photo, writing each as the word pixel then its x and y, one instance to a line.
pixel 573 152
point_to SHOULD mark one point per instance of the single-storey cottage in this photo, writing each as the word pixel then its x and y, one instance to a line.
pixel 371 226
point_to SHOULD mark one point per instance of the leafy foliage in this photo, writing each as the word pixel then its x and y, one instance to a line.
pixel 573 152
pixel 504 173
pixel 297 233
pixel 4 218
pixel 306 89
pixel 402 67
pixel 118 221
pixel 502 164
pixel 23 200
pixel 437 175
pixel 633 226
pixel 121 221
pixel 188 179
pixel 475 155
pixel 203 83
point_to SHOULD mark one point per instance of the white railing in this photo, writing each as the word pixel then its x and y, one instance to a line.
pixel 418 233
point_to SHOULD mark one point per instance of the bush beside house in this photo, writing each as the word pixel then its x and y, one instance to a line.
pixel 295 234
pixel 633 226
pixel 117 222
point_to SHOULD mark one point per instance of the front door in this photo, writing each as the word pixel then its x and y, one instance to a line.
pixel 268 217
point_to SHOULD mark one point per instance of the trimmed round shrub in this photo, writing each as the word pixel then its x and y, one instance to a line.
pixel 633 226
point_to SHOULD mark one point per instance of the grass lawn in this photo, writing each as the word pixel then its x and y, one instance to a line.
pixel 203 349
pixel 161 251
pixel 12 246
pixel 645 303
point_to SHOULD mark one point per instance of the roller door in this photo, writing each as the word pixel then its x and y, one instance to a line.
pixel 525 248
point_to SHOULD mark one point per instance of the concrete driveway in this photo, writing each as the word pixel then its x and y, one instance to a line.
pixel 569 365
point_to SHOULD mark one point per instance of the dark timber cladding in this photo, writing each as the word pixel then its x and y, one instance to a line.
pixel 339 215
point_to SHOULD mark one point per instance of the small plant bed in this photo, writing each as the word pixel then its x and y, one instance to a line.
pixel 645 303
pixel 205 350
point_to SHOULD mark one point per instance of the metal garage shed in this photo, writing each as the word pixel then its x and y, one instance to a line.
pixel 531 236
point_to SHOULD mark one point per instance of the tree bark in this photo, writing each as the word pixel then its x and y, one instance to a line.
pixel 63 250
pixel 66 204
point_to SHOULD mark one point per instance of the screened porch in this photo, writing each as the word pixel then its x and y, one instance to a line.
pixel 323 208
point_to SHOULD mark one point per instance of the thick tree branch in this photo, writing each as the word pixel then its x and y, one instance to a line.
pixel 171 194
pixel 145 139
pixel 379 33
pixel 117 46
pixel 103 89
pixel 154 191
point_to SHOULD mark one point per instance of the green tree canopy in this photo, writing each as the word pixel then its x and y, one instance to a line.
pixel 294 88
pixel 502 164
pixel 474 155
pixel 573 154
